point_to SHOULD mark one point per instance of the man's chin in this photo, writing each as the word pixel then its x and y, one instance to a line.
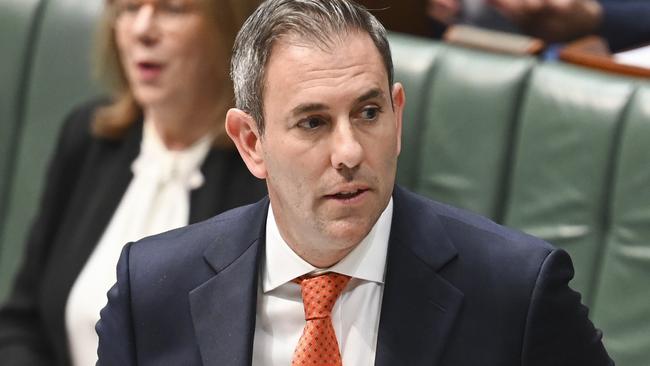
pixel 348 232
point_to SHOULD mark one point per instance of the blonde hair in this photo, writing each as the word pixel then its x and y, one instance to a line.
pixel 115 119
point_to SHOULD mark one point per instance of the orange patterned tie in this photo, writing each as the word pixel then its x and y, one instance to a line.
pixel 318 345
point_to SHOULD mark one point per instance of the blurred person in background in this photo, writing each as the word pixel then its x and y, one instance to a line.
pixel 152 158
pixel 622 23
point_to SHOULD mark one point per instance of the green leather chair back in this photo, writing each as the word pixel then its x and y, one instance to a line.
pixel 468 122
pixel 417 58
pixel 17 27
pixel 562 162
pixel 622 298
pixel 60 78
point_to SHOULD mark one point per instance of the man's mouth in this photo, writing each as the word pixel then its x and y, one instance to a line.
pixel 347 195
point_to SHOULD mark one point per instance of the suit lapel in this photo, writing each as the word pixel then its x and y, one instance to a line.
pixel 419 306
pixel 224 307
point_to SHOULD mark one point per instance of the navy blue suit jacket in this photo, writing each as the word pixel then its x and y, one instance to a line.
pixel 459 290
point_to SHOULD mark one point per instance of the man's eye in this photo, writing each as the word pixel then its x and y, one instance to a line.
pixel 311 123
pixel 370 113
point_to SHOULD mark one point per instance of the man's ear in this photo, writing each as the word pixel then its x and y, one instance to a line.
pixel 242 129
pixel 399 101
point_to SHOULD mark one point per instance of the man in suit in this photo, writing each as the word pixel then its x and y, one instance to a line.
pixel 401 280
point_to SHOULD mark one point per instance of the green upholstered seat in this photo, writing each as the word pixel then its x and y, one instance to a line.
pixel 17 27
pixel 562 161
pixel 466 129
pixel 414 60
pixel 622 298
pixel 60 78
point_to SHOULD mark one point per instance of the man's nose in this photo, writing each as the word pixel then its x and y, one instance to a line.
pixel 347 150
pixel 144 26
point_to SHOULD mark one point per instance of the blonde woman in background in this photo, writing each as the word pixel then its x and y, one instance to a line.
pixel 152 158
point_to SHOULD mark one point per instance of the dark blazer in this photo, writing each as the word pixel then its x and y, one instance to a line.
pixel 459 291
pixel 86 179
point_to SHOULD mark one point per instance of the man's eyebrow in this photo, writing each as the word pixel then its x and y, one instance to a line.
pixel 308 108
pixel 371 94
pixel 316 107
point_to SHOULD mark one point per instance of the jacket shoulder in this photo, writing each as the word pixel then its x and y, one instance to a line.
pixel 465 227
pixel 176 251
pixel 502 258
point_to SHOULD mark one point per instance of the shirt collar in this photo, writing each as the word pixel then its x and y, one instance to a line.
pixel 366 262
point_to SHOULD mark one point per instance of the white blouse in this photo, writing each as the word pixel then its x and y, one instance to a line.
pixel 156 200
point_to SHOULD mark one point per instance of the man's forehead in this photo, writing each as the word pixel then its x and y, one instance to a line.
pixel 351 63
pixel 306 55
pixel 328 43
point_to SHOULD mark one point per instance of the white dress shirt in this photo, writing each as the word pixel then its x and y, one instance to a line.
pixel 156 200
pixel 280 317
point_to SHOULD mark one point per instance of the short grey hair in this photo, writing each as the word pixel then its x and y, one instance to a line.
pixel 317 21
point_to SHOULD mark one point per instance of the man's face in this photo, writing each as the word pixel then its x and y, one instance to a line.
pixel 331 141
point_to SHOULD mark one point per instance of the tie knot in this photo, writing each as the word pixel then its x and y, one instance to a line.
pixel 319 293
